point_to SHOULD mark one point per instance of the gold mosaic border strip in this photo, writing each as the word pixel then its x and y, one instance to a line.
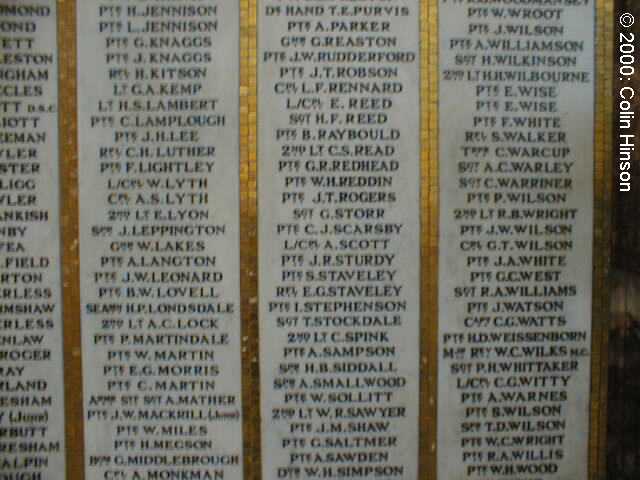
pixel 249 239
pixel 68 134
pixel 603 149
pixel 430 228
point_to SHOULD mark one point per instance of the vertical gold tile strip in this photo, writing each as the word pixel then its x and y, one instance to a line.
pixel 429 259
pixel 68 122
pixel 249 239
pixel 602 237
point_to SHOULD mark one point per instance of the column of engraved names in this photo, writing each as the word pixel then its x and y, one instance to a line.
pixel 31 379
pixel 339 238
pixel 516 227
pixel 159 203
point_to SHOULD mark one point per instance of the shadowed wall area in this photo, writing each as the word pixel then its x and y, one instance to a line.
pixel 624 348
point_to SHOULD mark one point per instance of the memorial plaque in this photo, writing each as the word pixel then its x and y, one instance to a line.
pixel 339 238
pixel 516 227
pixel 159 238
pixel 31 372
